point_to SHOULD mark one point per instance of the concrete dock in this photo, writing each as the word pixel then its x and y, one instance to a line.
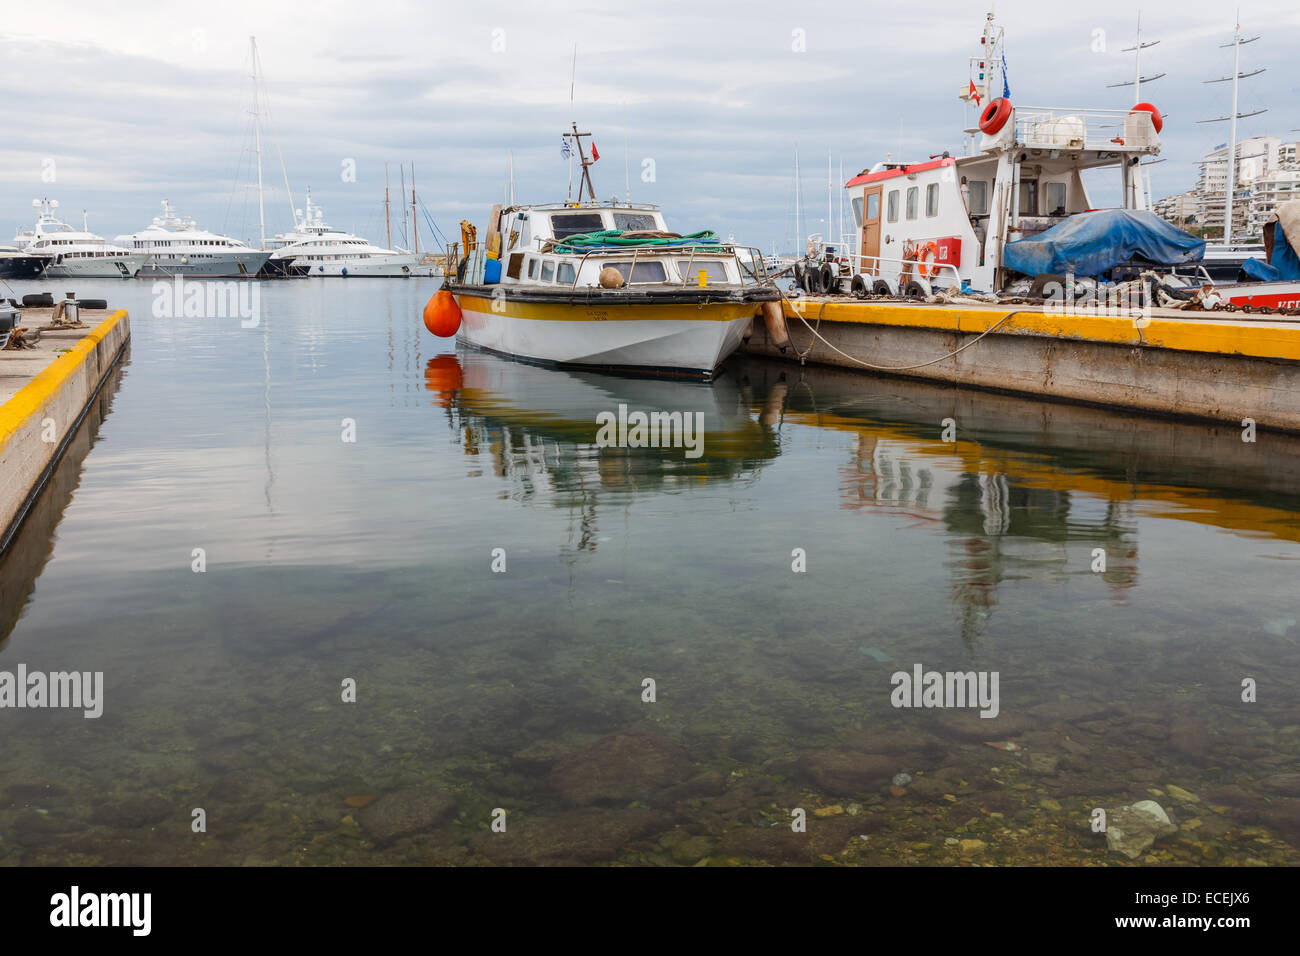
pixel 1222 367
pixel 45 393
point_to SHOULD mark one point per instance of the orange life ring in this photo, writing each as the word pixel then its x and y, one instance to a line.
pixel 995 115
pixel 1157 120
pixel 931 250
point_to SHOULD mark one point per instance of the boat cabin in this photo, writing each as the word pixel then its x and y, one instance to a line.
pixel 524 247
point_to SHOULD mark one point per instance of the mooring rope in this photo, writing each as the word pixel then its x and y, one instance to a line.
pixel 881 368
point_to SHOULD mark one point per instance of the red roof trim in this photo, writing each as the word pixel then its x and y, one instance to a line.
pixel 892 173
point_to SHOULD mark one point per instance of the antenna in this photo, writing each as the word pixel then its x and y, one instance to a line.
pixel 1231 119
pixel 1136 49
pixel 512 177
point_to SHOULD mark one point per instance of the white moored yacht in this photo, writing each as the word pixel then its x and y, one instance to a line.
pixel 323 251
pixel 178 247
pixel 75 254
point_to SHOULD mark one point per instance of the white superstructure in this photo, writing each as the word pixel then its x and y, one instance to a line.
pixel 324 251
pixel 75 254
pixel 177 246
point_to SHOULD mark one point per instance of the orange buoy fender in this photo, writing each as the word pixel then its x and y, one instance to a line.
pixel 1157 120
pixel 774 320
pixel 995 115
pixel 442 314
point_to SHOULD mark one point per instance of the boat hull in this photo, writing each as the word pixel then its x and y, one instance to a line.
pixel 380 267
pixel 238 265
pixel 22 267
pixel 117 267
pixel 1272 295
pixel 685 338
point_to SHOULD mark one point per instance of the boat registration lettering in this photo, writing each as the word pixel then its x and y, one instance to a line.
pixel 597 315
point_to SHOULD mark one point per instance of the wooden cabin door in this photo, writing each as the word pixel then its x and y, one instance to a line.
pixel 870 230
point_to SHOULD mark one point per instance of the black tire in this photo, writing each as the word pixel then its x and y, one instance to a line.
pixel 826 278
pixel 93 303
pixel 799 272
pixel 858 286
pixel 38 300
pixel 881 287
pixel 915 290
pixel 812 281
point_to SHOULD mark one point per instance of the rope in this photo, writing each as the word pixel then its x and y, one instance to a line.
pixel 880 368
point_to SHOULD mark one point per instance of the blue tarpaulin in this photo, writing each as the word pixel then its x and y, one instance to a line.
pixel 1092 243
pixel 1283 267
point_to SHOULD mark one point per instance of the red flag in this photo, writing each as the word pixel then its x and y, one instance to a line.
pixel 594 154
pixel 975 95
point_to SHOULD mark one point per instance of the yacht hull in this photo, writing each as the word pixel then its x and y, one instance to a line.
pixel 393 267
pixel 239 265
pixel 686 338
pixel 116 267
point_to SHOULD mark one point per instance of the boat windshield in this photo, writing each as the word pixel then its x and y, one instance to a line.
pixel 572 223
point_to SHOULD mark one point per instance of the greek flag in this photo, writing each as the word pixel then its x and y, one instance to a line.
pixel 565 149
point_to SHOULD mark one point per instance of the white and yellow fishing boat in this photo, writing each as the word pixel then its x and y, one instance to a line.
pixel 601 285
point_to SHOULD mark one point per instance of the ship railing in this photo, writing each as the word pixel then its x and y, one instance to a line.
pixel 722 251
pixel 906 265
pixel 1052 127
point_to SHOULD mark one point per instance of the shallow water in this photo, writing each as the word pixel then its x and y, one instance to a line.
pixel 329 560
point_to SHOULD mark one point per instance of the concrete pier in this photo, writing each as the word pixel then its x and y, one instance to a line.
pixel 45 393
pixel 1211 366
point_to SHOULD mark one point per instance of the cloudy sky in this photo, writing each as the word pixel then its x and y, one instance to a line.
pixel 113 107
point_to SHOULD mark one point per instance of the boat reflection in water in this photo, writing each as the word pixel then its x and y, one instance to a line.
pixel 1024 493
pixel 540 427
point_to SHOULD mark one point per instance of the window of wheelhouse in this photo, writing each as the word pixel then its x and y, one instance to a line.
pixel 1029 197
pixel 857 211
pixel 572 223
pixel 635 221
pixel 532 268
pixel 1055 199
pixel 548 271
pixel 913 194
pixel 932 199
pixel 564 273
pixel 713 270
pixel 977 202
pixel 643 271
pixel 892 206
pixel 873 207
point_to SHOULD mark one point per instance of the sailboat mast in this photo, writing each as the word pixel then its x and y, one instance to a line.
pixel 388 223
pixel 798 228
pixel 257 136
pixel 1232 136
pixel 415 215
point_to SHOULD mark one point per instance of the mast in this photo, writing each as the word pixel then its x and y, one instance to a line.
pixel 405 238
pixel 1230 188
pixel 798 229
pixel 257 137
pixel 388 223
pixel 1136 49
pixel 415 215
pixel 582 158
pixel 830 206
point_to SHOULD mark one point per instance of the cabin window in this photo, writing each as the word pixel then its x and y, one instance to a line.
pixel 892 206
pixel 978 202
pixel 516 265
pixel 564 273
pixel 713 270
pixel 532 268
pixel 932 199
pixel 1029 197
pixel 873 207
pixel 634 221
pixel 857 211
pixel 913 194
pixel 548 271
pixel 1056 199
pixel 644 271
pixel 573 223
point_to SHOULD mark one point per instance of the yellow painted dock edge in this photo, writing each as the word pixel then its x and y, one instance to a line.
pixel 36 394
pixel 1255 339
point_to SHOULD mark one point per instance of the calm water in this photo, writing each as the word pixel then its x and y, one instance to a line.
pixel 371 561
